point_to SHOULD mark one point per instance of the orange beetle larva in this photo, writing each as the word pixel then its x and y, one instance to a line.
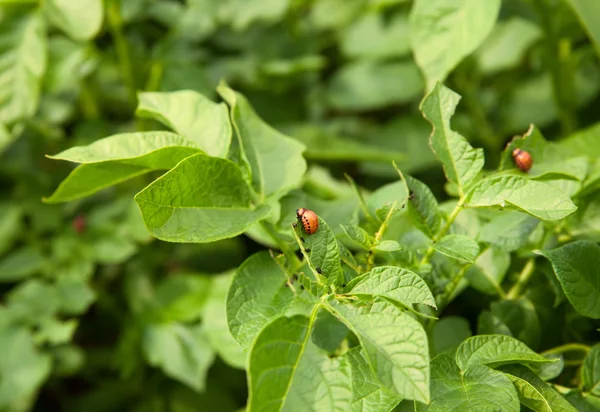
pixel 523 159
pixel 309 219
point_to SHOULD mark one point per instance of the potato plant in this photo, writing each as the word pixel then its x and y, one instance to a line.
pixel 300 205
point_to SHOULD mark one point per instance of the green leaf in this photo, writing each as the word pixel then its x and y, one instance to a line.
pixel 386 195
pixel 369 85
pixel 33 300
pixel 520 316
pixel 394 344
pixel 479 388
pixel 423 207
pixel 55 332
pixel 507 45
pixel 577 267
pixel 449 332
pixel 488 324
pixel 275 160
pixel 388 246
pixel 328 332
pixel 10 224
pixel 459 247
pixel 24 371
pixel 488 272
pixel 591 371
pixel 588 12
pixel 258 295
pixel 74 294
pixel 23 56
pixel 182 352
pixel 359 236
pixel 538 199
pixel 117 158
pixel 582 401
pixel 556 402
pixel 462 163
pixel 394 283
pixel 191 115
pixel 190 204
pixel 372 37
pixel 181 298
pixel 443 32
pixel 21 264
pixel 214 323
pixel 495 350
pixel 324 253
pixel 80 20
pixel 367 393
pixel 529 395
pixel 509 231
pixel 288 372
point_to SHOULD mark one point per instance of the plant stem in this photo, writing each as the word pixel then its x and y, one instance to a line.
pixel 115 23
pixel 524 277
pixel 485 131
pixel 321 281
pixel 443 230
pixel 379 235
pixel 569 347
pixel 89 107
pixel 361 199
pixel 451 287
pixel 293 260
pixel 563 81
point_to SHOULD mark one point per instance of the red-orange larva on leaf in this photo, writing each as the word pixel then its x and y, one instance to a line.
pixel 523 159
pixel 309 219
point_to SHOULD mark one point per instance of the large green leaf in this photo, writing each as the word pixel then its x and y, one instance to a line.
pixel 488 272
pixel 462 163
pixel 423 207
pixel 521 317
pixel 117 158
pixel 182 352
pixel 81 19
pixel 538 199
pixel 394 283
pixel 509 231
pixel 275 160
pixel 191 115
pixel 324 252
pixel 443 32
pixel 394 344
pixel 287 372
pixel 21 263
pixel 258 295
pixel 369 85
pixel 577 267
pixel 449 332
pixel 460 247
pixel 477 389
pixel 23 56
pixel 495 350
pixel 367 393
pixel 588 12
pixel 530 385
pixel 591 371
pixel 214 323
pixel 190 204
pixel 23 369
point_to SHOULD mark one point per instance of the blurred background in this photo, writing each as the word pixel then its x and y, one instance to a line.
pixel 86 293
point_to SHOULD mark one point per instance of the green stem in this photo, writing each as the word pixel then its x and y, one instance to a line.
pixel 443 230
pixel 485 131
pixel 563 80
pixel 524 277
pixel 361 199
pixel 89 107
pixel 321 281
pixel 379 235
pixel 569 347
pixel 451 287
pixel 115 23
pixel 289 253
